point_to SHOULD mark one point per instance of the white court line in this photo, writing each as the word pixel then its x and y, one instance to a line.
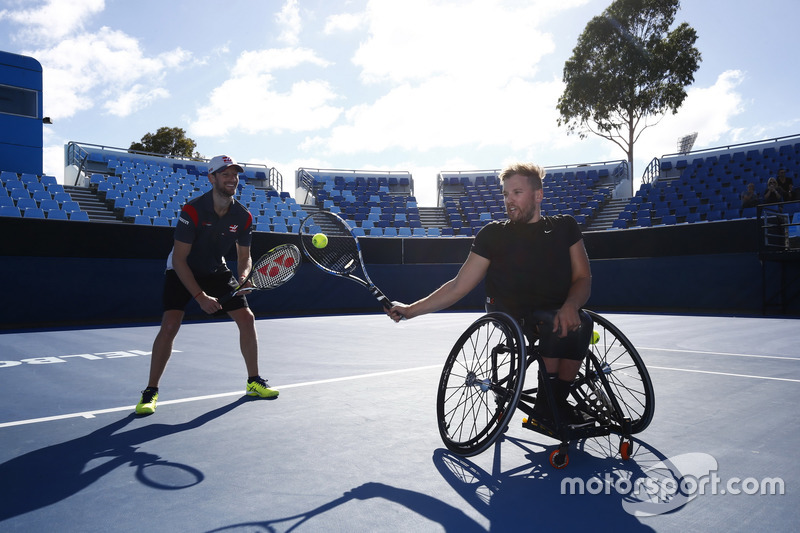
pixel 720 353
pixel 720 373
pixel 92 414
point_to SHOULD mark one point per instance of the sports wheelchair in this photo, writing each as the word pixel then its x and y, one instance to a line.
pixel 482 385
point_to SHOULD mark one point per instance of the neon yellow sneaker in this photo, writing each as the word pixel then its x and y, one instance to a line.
pixel 259 387
pixel 147 405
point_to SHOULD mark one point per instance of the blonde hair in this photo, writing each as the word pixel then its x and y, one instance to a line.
pixel 532 171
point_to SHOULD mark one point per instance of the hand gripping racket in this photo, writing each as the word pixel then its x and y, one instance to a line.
pixel 272 270
pixel 342 255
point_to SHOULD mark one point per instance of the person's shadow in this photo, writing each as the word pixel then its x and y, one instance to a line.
pixel 48 475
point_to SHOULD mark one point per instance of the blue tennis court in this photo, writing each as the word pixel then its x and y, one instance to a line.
pixel 352 442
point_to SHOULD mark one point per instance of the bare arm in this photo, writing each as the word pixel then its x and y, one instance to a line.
pixel 567 318
pixel 180 253
pixel 471 273
pixel 244 261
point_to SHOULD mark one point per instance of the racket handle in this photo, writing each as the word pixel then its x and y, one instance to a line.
pixel 236 292
pixel 376 292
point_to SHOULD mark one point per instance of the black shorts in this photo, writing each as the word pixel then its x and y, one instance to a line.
pixel 538 325
pixel 218 284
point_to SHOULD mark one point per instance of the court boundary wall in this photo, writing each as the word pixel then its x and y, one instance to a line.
pixel 84 273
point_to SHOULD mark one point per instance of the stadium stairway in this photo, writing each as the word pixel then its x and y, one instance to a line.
pixel 607 214
pixel 433 217
pixel 91 203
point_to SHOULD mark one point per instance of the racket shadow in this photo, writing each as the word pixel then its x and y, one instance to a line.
pixel 51 474
pixel 434 509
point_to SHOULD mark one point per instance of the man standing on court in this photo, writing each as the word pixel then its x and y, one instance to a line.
pixel 536 270
pixel 208 227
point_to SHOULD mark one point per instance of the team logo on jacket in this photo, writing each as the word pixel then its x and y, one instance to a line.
pixel 233 227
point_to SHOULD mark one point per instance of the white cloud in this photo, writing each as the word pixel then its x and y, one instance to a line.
pixel 344 23
pixel 133 99
pixel 445 113
pixel 53 19
pixel 706 110
pixel 103 67
pixel 266 61
pixel 477 40
pixel 249 101
pixel 289 19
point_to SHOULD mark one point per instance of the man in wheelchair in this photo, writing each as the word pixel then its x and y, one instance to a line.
pixel 537 271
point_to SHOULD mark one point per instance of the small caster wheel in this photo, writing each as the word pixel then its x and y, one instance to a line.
pixel 559 459
pixel 625 449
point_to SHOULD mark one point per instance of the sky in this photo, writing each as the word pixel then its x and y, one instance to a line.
pixel 416 85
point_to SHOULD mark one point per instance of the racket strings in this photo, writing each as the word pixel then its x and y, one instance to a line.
pixel 275 269
pixel 341 253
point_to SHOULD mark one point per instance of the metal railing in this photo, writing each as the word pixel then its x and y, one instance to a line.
pixel 79 154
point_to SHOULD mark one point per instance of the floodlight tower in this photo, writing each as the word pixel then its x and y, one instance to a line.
pixel 686 142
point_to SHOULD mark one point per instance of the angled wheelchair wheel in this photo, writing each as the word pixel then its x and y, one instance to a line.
pixel 480 384
pixel 628 381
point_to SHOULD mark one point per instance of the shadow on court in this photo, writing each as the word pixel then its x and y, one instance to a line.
pixel 532 493
pixel 527 494
pixel 49 475
pixel 451 518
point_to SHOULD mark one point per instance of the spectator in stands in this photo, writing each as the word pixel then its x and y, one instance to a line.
pixel 774 193
pixel 750 196
pixel 208 228
pixel 537 270
pixel 786 185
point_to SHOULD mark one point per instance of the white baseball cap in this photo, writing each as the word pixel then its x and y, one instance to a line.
pixel 221 162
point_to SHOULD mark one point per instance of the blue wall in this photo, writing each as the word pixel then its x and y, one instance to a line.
pixel 60 273
pixel 20 114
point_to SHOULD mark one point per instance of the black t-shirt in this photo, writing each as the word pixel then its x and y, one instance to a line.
pixel 211 236
pixel 530 265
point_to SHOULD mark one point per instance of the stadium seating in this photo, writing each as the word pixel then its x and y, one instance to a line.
pixel 691 188
pixel 33 196
pixel 708 188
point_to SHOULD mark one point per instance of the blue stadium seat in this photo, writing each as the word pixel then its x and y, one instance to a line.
pixel 48 204
pixel 10 211
pixel 33 212
pixel 82 216
pixel 26 203
pixel 71 206
pixel 56 214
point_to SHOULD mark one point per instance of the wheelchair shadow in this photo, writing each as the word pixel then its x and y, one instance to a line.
pixel 536 495
pixel 49 475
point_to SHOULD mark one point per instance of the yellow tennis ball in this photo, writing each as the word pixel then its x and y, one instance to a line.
pixel 595 337
pixel 320 240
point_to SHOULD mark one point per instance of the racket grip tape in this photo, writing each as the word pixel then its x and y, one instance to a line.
pixel 376 292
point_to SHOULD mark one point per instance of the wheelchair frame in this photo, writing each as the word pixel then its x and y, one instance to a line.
pixel 482 386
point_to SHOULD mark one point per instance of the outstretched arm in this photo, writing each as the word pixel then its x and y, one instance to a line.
pixel 471 273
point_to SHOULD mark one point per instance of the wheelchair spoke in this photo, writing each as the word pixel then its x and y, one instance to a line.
pixel 625 373
pixel 477 391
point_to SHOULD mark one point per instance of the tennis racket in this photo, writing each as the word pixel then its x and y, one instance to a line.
pixel 342 255
pixel 272 270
